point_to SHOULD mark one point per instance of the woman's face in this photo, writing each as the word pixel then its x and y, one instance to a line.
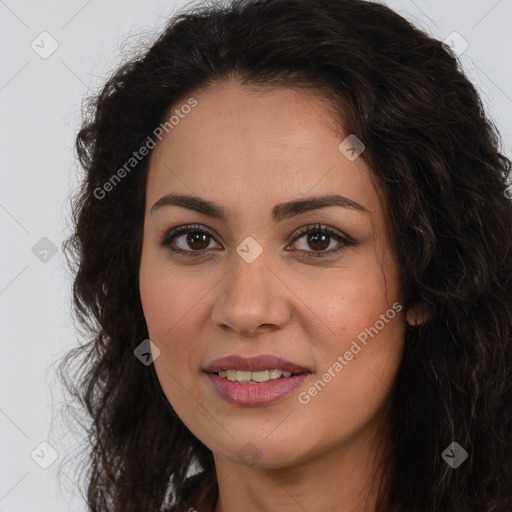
pixel 250 283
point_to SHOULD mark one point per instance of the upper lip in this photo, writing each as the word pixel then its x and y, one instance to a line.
pixel 253 364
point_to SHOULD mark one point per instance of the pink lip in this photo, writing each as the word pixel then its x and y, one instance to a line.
pixel 256 394
pixel 253 364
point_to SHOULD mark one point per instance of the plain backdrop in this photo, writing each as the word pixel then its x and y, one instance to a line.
pixel 54 54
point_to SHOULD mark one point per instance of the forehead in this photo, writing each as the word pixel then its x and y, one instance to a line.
pixel 251 145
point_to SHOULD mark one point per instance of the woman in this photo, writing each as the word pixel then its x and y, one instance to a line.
pixel 294 235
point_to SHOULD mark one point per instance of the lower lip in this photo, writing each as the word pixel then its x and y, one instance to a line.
pixel 255 394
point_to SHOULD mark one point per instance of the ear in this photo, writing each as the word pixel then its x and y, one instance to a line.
pixel 416 314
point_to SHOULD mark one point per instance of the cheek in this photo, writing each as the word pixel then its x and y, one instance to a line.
pixel 165 312
pixel 166 299
pixel 362 351
pixel 362 313
pixel 355 383
pixel 170 307
pixel 352 300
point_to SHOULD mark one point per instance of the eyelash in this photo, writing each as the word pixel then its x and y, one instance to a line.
pixel 168 237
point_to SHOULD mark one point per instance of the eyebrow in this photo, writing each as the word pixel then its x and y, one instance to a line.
pixel 279 212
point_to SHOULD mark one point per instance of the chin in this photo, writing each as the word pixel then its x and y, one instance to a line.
pixel 261 453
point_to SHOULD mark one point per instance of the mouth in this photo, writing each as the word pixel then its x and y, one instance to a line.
pixel 255 380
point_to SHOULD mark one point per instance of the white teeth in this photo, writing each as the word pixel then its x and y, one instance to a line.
pixel 254 377
pixel 260 376
pixel 274 373
pixel 243 376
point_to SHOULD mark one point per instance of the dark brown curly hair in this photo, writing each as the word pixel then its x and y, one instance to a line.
pixel 438 158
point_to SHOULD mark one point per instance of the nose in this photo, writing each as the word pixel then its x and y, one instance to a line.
pixel 252 300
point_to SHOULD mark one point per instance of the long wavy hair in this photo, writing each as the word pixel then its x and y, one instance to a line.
pixel 439 161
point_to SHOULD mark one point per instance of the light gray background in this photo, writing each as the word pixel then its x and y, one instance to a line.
pixel 40 103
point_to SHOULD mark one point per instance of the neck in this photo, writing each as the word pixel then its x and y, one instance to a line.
pixel 345 477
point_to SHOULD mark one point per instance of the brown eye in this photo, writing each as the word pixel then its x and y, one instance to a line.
pixel 318 241
pixel 197 240
pixel 318 238
pixel 187 240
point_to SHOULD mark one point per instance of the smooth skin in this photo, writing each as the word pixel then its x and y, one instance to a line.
pixel 247 150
